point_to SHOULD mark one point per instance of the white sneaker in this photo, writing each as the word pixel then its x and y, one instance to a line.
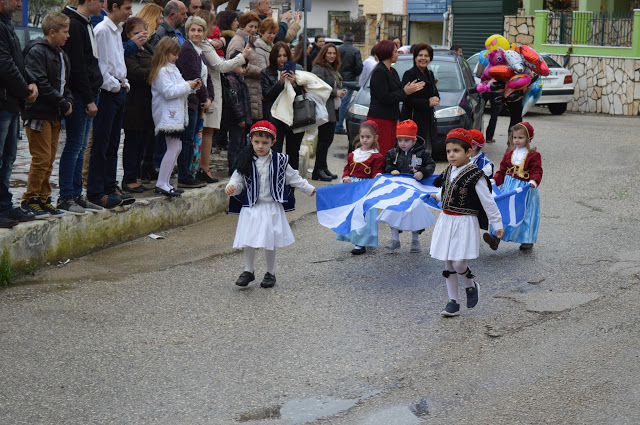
pixel 393 245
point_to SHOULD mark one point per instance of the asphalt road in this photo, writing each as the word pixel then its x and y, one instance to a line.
pixel 155 332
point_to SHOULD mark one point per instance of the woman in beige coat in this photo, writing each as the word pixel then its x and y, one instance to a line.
pixel 246 35
pixel 212 117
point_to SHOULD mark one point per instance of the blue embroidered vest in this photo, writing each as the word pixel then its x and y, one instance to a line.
pixel 280 192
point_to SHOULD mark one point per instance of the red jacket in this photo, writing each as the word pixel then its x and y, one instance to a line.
pixel 531 169
pixel 367 169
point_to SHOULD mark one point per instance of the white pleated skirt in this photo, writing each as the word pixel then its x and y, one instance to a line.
pixel 455 237
pixel 264 225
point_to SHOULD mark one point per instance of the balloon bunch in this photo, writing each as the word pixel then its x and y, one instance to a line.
pixel 512 70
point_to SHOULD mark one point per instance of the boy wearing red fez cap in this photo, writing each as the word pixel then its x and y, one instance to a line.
pixel 467 205
pixel 262 181
pixel 478 157
pixel 410 156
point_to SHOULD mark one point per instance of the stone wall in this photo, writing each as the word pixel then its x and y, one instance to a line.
pixel 519 29
pixel 606 85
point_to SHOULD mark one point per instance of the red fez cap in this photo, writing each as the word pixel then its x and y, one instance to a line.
pixel 407 130
pixel 372 124
pixel 265 126
pixel 460 134
pixel 478 137
pixel 528 127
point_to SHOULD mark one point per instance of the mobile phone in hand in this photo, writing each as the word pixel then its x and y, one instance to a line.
pixel 289 66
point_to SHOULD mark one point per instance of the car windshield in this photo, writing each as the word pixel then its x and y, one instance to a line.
pixel 551 63
pixel 447 73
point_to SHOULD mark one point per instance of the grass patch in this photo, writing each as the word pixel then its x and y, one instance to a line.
pixel 7 273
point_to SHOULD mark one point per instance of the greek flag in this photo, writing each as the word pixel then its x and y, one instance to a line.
pixel 342 207
pixel 512 204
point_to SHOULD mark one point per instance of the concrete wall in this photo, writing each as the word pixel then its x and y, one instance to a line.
pixel 519 29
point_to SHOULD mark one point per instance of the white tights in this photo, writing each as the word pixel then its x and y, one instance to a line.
pixel 457 270
pixel 250 258
pixel 174 146
pixel 395 235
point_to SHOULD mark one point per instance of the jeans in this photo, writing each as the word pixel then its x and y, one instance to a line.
pixel 188 139
pixel 8 148
pixel 42 147
pixel 344 104
pixel 103 162
pixel 78 127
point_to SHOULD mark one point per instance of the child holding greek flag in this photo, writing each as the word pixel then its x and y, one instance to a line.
pixel 520 166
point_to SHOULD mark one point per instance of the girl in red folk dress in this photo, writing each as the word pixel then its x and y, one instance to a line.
pixel 521 166
pixel 365 162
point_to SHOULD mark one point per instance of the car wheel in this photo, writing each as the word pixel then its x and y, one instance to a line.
pixel 557 108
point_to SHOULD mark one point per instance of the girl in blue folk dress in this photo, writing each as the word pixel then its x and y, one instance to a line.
pixel 520 166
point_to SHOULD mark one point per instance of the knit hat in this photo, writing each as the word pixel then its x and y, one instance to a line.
pixel 478 138
pixel 372 124
pixel 460 134
pixel 528 127
pixel 407 130
pixel 265 126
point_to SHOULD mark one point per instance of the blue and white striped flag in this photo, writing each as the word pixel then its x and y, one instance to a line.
pixel 512 204
pixel 342 207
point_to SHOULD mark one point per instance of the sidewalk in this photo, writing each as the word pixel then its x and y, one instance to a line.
pixel 56 239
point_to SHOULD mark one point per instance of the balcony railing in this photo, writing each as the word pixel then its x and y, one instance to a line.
pixel 588 28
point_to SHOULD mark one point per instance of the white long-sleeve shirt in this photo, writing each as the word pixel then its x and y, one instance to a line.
pixel 292 178
pixel 486 199
pixel 367 66
pixel 111 55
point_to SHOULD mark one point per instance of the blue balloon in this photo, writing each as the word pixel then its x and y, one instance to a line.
pixel 531 96
pixel 483 57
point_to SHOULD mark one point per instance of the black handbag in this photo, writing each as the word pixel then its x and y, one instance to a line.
pixel 304 111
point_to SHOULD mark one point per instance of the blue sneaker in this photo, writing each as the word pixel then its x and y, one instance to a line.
pixel 451 310
pixel 34 206
pixel 473 294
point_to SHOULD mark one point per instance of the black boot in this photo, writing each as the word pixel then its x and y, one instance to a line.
pixel 329 173
pixel 320 175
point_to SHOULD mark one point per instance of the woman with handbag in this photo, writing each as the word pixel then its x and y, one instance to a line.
pixel 387 91
pixel 272 85
pixel 419 105
pixel 326 66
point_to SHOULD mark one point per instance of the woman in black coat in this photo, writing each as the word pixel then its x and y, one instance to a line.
pixel 272 86
pixel 326 66
pixel 387 91
pixel 419 105
pixel 137 122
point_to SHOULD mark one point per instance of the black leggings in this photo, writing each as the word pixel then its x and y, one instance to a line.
pixel 325 139
pixel 294 140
